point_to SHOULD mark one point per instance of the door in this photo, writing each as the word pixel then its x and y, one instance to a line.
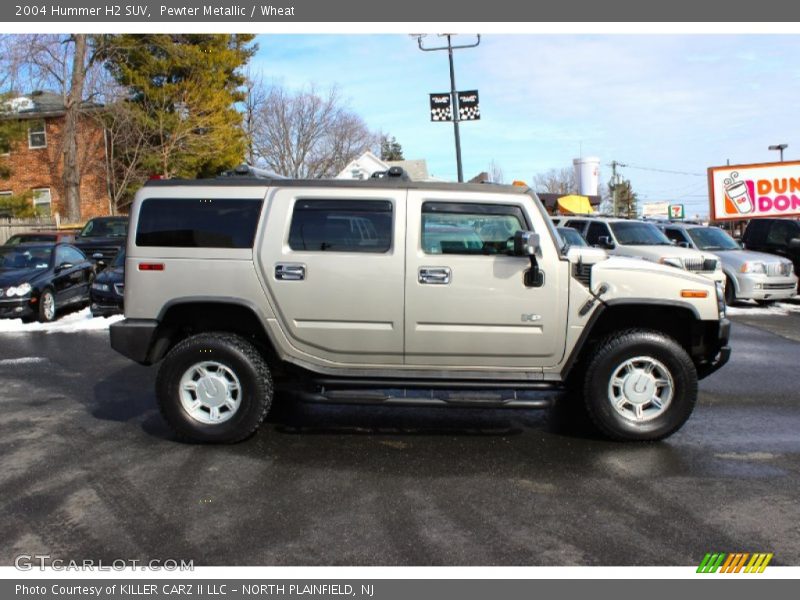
pixel 467 302
pixel 65 277
pixel 334 264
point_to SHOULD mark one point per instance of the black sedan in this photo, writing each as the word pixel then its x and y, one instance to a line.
pixel 108 288
pixel 37 280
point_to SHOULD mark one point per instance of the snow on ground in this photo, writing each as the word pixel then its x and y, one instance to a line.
pixel 753 309
pixel 77 321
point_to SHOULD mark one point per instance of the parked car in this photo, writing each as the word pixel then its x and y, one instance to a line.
pixel 37 280
pixel 54 237
pixel 108 289
pixel 642 239
pixel 762 277
pixel 572 237
pixel 102 238
pixel 240 286
pixel 774 236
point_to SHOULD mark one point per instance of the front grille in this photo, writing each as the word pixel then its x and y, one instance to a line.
pixel 779 269
pixel 119 288
pixel 583 273
pixel 700 264
pixel 778 286
pixel 107 252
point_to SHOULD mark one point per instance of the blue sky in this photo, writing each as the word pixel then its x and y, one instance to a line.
pixel 672 102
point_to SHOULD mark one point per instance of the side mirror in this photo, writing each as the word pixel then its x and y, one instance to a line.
pixel 794 243
pixel 526 243
pixel 683 244
pixel 605 242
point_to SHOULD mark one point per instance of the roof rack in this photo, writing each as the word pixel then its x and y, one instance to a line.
pixel 392 173
pixel 245 170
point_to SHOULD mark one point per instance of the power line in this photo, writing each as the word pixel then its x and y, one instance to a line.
pixel 668 171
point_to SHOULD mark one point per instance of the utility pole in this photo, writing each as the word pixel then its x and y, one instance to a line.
pixel 453 95
pixel 615 183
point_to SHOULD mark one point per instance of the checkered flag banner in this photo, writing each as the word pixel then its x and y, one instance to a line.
pixel 440 107
pixel 468 108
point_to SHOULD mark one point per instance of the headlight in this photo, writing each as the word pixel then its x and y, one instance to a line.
pixel 20 290
pixel 753 267
pixel 720 298
pixel 672 261
pixel 101 287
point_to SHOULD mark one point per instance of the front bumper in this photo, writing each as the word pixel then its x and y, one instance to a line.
pixel 105 303
pixel 719 352
pixel 16 309
pixel 760 287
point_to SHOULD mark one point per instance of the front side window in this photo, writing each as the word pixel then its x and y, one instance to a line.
pixel 453 228
pixel 596 231
pixel 341 226
pixel 68 254
pixel 42 201
pixel 196 223
pixel 37 136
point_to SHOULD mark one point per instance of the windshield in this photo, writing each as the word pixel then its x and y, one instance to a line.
pixel 105 228
pixel 712 238
pixel 21 238
pixel 571 237
pixel 632 233
pixel 119 260
pixel 28 257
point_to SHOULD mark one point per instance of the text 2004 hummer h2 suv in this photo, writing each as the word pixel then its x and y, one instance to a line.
pixel 391 291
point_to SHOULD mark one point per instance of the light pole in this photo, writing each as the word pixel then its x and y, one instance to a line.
pixel 780 148
pixel 453 99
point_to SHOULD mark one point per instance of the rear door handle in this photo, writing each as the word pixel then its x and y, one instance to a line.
pixel 434 275
pixel 290 272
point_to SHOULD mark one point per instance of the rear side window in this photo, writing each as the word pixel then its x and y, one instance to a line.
pixel 341 226
pixel 198 222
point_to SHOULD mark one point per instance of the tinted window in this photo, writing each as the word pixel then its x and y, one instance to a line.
pixel 579 225
pixel 453 228
pixel 106 228
pixel 69 255
pixel 631 233
pixel 781 232
pixel 198 223
pixel 596 231
pixel 756 232
pixel 341 226
pixel 676 235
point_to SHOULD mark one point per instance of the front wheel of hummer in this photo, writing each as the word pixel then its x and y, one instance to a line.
pixel 641 385
pixel 214 387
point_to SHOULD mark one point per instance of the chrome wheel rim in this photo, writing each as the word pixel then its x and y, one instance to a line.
pixel 210 392
pixel 48 306
pixel 641 389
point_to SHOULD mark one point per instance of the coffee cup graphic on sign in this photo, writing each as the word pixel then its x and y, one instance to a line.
pixel 737 192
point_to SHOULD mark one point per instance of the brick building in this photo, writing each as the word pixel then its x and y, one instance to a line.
pixel 36 162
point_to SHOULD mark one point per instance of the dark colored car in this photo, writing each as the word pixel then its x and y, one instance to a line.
pixel 37 280
pixel 29 237
pixel 774 236
pixel 572 236
pixel 108 288
pixel 101 239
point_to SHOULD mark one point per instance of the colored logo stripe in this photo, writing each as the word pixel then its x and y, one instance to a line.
pixel 734 562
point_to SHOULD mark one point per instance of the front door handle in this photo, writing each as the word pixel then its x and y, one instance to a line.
pixel 290 272
pixel 435 275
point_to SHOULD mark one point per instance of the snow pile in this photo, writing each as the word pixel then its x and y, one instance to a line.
pixel 77 321
pixel 778 309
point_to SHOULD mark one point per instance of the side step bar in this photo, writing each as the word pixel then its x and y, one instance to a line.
pixel 477 398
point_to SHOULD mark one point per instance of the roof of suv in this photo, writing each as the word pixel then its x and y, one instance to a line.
pixel 383 183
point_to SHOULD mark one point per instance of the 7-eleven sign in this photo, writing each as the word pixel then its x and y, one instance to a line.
pixel 676 211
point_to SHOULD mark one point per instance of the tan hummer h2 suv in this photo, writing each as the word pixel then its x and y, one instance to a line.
pixel 398 292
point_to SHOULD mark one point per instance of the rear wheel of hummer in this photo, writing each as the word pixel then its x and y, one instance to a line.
pixel 640 385
pixel 214 387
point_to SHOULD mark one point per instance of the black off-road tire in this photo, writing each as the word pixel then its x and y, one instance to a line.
pixel 237 354
pixel 730 292
pixel 612 352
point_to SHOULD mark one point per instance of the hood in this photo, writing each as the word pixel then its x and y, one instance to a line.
pixel 736 258
pixel 111 275
pixel 624 263
pixel 13 277
pixel 655 253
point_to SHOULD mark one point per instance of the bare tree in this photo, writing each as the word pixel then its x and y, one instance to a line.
pixel 556 181
pixel 496 174
pixel 308 135
pixel 255 97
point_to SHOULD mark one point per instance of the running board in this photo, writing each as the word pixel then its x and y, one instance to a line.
pixel 476 398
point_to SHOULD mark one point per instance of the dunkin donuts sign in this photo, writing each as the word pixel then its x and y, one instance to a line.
pixel 747 191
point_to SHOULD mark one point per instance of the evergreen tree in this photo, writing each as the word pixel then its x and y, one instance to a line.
pixel 391 149
pixel 626 199
pixel 182 92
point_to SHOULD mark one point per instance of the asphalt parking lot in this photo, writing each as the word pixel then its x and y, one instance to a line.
pixel 89 470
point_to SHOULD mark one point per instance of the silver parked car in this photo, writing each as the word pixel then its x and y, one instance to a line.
pixel 762 277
